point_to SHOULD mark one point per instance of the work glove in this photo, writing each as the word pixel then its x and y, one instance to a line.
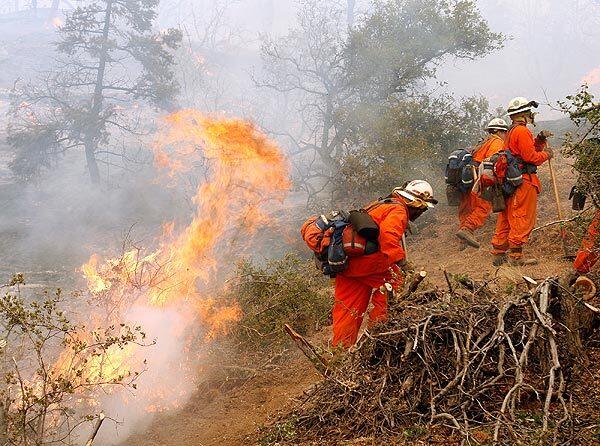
pixel 550 152
pixel 544 135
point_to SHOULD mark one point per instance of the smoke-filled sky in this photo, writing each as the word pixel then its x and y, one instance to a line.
pixel 554 44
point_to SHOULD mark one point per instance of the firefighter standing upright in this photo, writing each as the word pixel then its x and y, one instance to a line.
pixel 516 222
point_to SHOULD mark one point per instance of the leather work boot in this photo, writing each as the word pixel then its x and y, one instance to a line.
pixel 468 237
pixel 499 260
pixel 522 262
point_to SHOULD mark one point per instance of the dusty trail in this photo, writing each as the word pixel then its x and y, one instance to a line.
pixel 437 248
pixel 232 418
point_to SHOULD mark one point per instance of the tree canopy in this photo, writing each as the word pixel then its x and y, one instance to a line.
pixel 346 81
pixel 110 57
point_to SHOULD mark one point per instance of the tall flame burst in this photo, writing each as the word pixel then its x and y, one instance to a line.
pixel 247 170
pixel 243 171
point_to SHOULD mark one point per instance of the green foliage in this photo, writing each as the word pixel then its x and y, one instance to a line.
pixel 402 41
pixel 53 368
pixel 130 35
pixel 356 90
pixel 530 417
pixel 583 146
pixel 287 290
pixel 110 57
pixel 280 432
pixel 407 138
pixel 415 432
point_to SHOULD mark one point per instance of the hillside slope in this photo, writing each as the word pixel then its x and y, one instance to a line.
pixel 232 417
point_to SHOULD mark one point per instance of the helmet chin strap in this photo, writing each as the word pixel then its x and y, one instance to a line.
pixel 532 118
pixel 522 118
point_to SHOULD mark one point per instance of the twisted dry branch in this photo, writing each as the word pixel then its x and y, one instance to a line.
pixel 461 361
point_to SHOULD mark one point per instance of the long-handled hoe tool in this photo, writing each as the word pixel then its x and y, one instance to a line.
pixel 563 233
pixel 97 426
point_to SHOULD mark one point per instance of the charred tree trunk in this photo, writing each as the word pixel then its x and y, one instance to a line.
pixel 579 320
pixel 93 134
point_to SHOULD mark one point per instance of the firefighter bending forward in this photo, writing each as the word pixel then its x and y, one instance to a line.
pixel 516 222
pixel 360 282
pixel 473 210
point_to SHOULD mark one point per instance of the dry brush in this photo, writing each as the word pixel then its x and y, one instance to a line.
pixel 480 365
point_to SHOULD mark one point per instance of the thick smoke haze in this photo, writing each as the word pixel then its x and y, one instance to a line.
pixel 51 224
pixel 554 46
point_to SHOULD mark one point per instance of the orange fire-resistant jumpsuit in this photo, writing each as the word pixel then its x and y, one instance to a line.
pixel 473 210
pixel 588 254
pixel 516 222
pixel 361 281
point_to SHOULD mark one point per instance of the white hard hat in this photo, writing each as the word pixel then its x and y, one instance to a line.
pixel 418 192
pixel 519 105
pixel 497 124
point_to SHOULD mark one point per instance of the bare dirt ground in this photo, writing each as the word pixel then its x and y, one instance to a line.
pixel 437 247
pixel 228 418
pixel 231 418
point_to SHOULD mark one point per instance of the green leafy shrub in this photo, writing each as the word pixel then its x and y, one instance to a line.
pixel 407 139
pixel 55 370
pixel 583 145
pixel 287 290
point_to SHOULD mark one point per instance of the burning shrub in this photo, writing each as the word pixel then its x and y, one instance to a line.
pixel 56 371
pixel 286 290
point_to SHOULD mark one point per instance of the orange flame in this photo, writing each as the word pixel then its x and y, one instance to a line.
pixel 246 171
pixel 95 282
pixel 57 22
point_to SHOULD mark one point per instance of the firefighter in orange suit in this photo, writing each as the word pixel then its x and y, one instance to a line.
pixel 365 275
pixel 473 210
pixel 588 254
pixel 516 222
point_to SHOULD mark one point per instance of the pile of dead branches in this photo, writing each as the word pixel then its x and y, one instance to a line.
pixel 488 366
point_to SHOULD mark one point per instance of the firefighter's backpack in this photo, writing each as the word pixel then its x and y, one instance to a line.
pixel 505 170
pixel 338 236
pixel 458 162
